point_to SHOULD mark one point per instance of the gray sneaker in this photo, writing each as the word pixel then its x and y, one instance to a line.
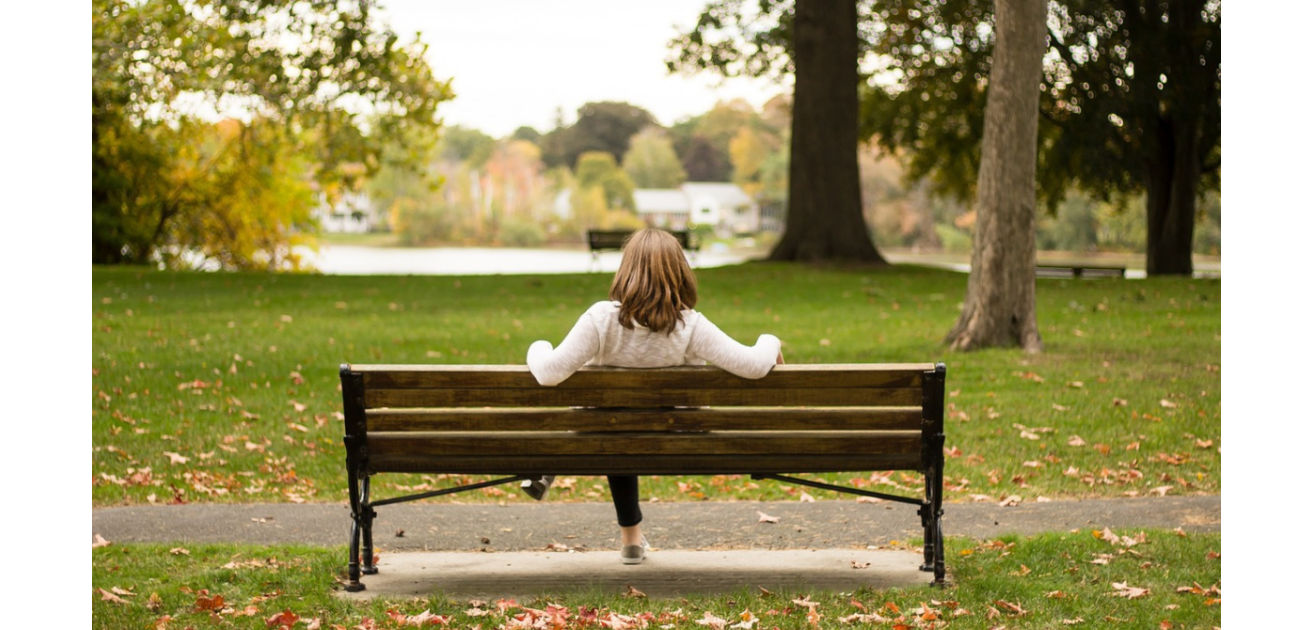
pixel 634 554
pixel 537 487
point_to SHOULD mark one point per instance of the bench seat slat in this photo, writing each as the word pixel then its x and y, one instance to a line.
pixel 705 419
pixel 648 397
pixel 513 376
pixel 644 464
pixel 619 445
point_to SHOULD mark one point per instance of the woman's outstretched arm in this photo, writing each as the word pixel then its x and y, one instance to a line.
pixel 710 343
pixel 551 366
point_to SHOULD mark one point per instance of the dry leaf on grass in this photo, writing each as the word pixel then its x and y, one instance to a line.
pixel 1122 589
pixel 111 597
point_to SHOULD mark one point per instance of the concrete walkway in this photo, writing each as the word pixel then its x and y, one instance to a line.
pixel 538 548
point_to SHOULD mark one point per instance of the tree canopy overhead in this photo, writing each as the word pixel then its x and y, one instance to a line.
pixel 1130 100
pixel 322 78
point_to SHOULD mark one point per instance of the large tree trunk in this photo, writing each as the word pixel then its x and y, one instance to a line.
pixel 1173 148
pixel 999 309
pixel 825 197
pixel 1170 198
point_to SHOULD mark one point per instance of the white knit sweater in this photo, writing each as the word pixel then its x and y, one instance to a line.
pixel 599 339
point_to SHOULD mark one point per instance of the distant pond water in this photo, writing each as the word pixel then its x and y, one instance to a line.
pixel 468 261
pixel 471 261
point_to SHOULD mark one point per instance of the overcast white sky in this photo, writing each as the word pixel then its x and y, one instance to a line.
pixel 514 62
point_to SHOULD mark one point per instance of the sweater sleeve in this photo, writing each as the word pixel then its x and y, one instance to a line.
pixel 710 343
pixel 551 366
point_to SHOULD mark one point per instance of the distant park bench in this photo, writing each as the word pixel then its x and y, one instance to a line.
pixel 497 420
pixel 1078 271
pixel 614 240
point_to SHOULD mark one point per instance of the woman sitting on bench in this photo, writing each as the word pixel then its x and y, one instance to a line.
pixel 649 322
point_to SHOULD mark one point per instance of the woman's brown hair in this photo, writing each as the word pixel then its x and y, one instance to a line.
pixel 654 282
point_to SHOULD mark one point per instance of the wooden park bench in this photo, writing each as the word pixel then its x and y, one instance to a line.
pixel 1079 271
pixel 614 240
pixel 497 420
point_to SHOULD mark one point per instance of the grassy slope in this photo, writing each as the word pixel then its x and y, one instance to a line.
pixel 223 387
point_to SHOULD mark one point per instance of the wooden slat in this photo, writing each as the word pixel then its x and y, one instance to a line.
pixel 700 419
pixel 896 375
pixel 642 464
pixel 644 397
pixel 568 444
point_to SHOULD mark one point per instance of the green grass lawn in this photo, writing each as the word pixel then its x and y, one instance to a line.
pixel 224 387
pixel 1155 579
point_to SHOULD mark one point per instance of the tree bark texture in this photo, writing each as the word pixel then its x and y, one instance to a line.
pixel 1176 150
pixel 825 220
pixel 999 309
pixel 1171 185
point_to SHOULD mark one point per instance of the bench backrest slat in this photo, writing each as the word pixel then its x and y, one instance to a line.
pixel 719 419
pixel 796 376
pixel 565 444
pixel 650 397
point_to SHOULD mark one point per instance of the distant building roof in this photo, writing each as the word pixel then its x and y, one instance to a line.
pixel 729 195
pixel 660 200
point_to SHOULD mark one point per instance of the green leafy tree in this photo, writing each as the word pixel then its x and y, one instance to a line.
pixel 703 161
pixel 1073 228
pixel 463 144
pixel 528 134
pixel 1130 103
pixel 651 161
pixel 748 151
pixel 601 126
pixel 597 169
pixel 1135 101
pixel 337 87
pixel 250 208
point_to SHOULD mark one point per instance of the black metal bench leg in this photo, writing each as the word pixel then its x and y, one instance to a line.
pixel 940 569
pixel 367 521
pixel 927 550
pixel 932 511
pixel 934 542
pixel 353 562
pixel 369 567
pixel 357 515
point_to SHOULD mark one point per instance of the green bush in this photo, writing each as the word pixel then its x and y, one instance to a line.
pixel 518 232
pixel 416 225
pixel 955 241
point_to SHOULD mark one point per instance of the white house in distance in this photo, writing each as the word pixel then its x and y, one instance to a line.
pixel 663 208
pixel 353 213
pixel 723 206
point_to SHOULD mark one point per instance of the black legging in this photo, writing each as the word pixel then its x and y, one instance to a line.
pixel 624 494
